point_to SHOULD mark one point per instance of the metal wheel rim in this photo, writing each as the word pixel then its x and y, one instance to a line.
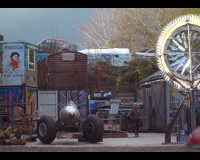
pixel 178 80
pixel 42 129
pixel 175 60
pixel 92 129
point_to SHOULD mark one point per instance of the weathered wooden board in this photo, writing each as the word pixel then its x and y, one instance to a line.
pixel 105 135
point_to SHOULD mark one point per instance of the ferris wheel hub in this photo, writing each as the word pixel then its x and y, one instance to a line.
pixel 178 52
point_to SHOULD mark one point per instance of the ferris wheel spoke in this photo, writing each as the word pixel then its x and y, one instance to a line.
pixel 179 44
pixel 190 55
pixel 178 67
pixel 197 58
pixel 179 54
pixel 173 58
pixel 173 48
pixel 184 40
pixel 197 40
pixel 196 68
pixel 193 39
pixel 179 38
pixel 180 61
pixel 186 66
pixel 181 48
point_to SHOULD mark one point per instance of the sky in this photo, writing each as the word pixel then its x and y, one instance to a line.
pixel 32 25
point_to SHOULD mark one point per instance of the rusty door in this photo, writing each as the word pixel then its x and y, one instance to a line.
pixel 159 105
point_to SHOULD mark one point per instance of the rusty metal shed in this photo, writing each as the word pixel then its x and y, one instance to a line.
pixel 153 95
pixel 158 94
pixel 66 70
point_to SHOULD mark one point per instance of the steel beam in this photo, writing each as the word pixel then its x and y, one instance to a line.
pixel 192 113
pixel 172 123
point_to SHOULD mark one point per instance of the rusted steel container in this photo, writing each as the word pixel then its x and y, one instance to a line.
pixel 65 70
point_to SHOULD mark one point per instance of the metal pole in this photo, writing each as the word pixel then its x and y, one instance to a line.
pixel 190 55
pixel 135 94
pixel 99 67
pixel 0 120
pixel 192 107
pixel 12 119
pixel 192 113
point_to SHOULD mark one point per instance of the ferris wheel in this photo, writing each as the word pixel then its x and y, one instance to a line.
pixel 178 53
pixel 178 57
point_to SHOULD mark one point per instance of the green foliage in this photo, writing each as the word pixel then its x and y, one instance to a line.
pixel 175 12
pixel 107 73
pixel 132 28
pixel 122 75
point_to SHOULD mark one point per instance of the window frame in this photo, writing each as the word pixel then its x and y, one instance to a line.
pixel 31 63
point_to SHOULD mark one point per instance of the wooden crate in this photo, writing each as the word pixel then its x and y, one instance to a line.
pixel 111 126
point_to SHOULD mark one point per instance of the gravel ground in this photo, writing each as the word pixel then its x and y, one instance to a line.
pixel 147 142
pixel 99 149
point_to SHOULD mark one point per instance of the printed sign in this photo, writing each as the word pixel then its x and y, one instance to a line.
pixel 13 64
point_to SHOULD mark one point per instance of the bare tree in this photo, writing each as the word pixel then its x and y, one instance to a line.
pixel 133 28
pixel 100 30
pixel 139 28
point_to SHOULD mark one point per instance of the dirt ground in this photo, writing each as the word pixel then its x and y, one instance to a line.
pixel 146 142
pixel 99 149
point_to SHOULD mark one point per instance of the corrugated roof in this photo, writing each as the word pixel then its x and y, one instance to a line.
pixel 154 76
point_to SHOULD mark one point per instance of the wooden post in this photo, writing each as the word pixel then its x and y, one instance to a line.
pixel 135 94
pixel 99 67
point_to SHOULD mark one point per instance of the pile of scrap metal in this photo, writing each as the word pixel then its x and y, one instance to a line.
pixel 7 138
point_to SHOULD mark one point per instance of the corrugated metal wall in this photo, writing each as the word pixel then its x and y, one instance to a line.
pixel 159 105
pixel 146 111
pixel 154 96
pixel 79 97
pixel 54 73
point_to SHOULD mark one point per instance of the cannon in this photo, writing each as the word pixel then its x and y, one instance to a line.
pixel 69 121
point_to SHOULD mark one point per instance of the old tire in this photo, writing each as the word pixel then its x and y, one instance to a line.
pixel 97 129
pixel 46 129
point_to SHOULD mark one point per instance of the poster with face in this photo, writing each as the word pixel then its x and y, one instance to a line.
pixel 13 64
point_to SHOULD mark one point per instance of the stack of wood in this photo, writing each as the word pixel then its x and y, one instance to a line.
pixel 105 135
pixel 7 138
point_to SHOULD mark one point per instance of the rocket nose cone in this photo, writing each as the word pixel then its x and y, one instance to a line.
pixel 71 115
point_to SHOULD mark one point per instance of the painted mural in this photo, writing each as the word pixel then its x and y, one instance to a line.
pixel 13 64
pixel 30 99
pixel 12 94
pixel 79 97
